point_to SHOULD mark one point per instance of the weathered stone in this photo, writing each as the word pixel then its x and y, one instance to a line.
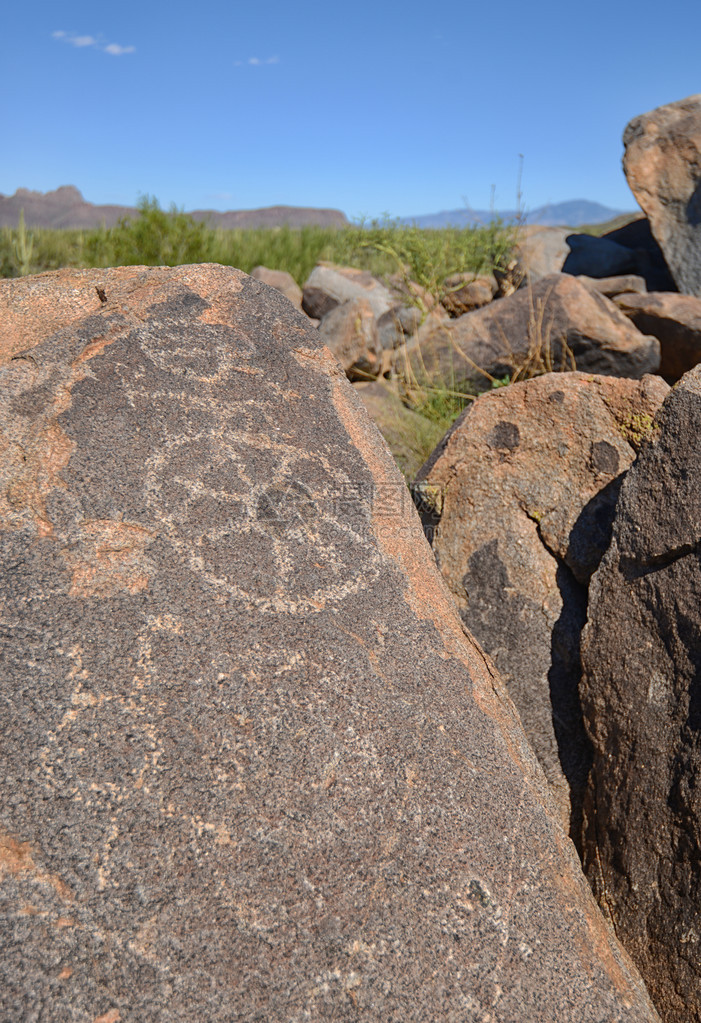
pixel 252 766
pixel 598 257
pixel 662 163
pixel 641 654
pixel 282 281
pixel 350 332
pixel 675 320
pixel 612 286
pixel 557 323
pixel 519 500
pixel 541 250
pixel 398 323
pixel 328 286
pixel 465 292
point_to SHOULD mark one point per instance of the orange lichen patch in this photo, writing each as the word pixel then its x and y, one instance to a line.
pixel 32 470
pixel 112 1016
pixel 65 973
pixel 98 345
pixel 32 310
pixel 109 558
pixel 16 858
pixel 34 450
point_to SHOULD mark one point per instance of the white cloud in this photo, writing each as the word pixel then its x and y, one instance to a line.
pixel 256 61
pixel 98 42
pixel 116 50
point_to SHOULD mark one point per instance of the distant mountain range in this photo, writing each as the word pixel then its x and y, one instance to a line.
pixel 65 207
pixel 573 213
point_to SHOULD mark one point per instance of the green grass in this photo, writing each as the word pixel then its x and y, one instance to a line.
pixel 169 238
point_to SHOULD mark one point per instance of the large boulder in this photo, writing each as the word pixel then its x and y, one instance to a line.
pixel 540 250
pixel 350 331
pixel 519 500
pixel 252 765
pixel 641 697
pixel 557 323
pixel 675 320
pixel 328 286
pixel 282 281
pixel 662 163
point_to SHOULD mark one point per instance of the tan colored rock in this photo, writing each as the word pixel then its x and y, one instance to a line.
pixel 407 292
pixel 282 281
pixel 675 320
pixel 541 251
pixel 350 332
pixel 612 286
pixel 557 324
pixel 519 499
pixel 252 765
pixel 465 292
pixel 662 163
pixel 328 286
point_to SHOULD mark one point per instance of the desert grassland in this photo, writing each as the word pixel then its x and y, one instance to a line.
pixel 169 238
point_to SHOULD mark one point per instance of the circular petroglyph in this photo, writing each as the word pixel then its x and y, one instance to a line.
pixel 242 509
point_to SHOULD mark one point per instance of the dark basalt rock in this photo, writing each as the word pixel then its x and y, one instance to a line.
pixel 641 697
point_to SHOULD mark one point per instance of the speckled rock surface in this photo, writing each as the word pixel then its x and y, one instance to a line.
pixel 253 768
pixel 662 163
pixel 522 492
pixel 641 697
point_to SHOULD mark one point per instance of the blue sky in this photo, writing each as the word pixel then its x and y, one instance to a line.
pixel 404 108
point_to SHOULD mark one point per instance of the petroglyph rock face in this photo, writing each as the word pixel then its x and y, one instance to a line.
pixel 252 766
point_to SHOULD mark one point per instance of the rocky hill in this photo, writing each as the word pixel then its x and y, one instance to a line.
pixel 573 213
pixel 65 207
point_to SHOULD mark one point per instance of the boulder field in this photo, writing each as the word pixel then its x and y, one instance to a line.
pixel 253 766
